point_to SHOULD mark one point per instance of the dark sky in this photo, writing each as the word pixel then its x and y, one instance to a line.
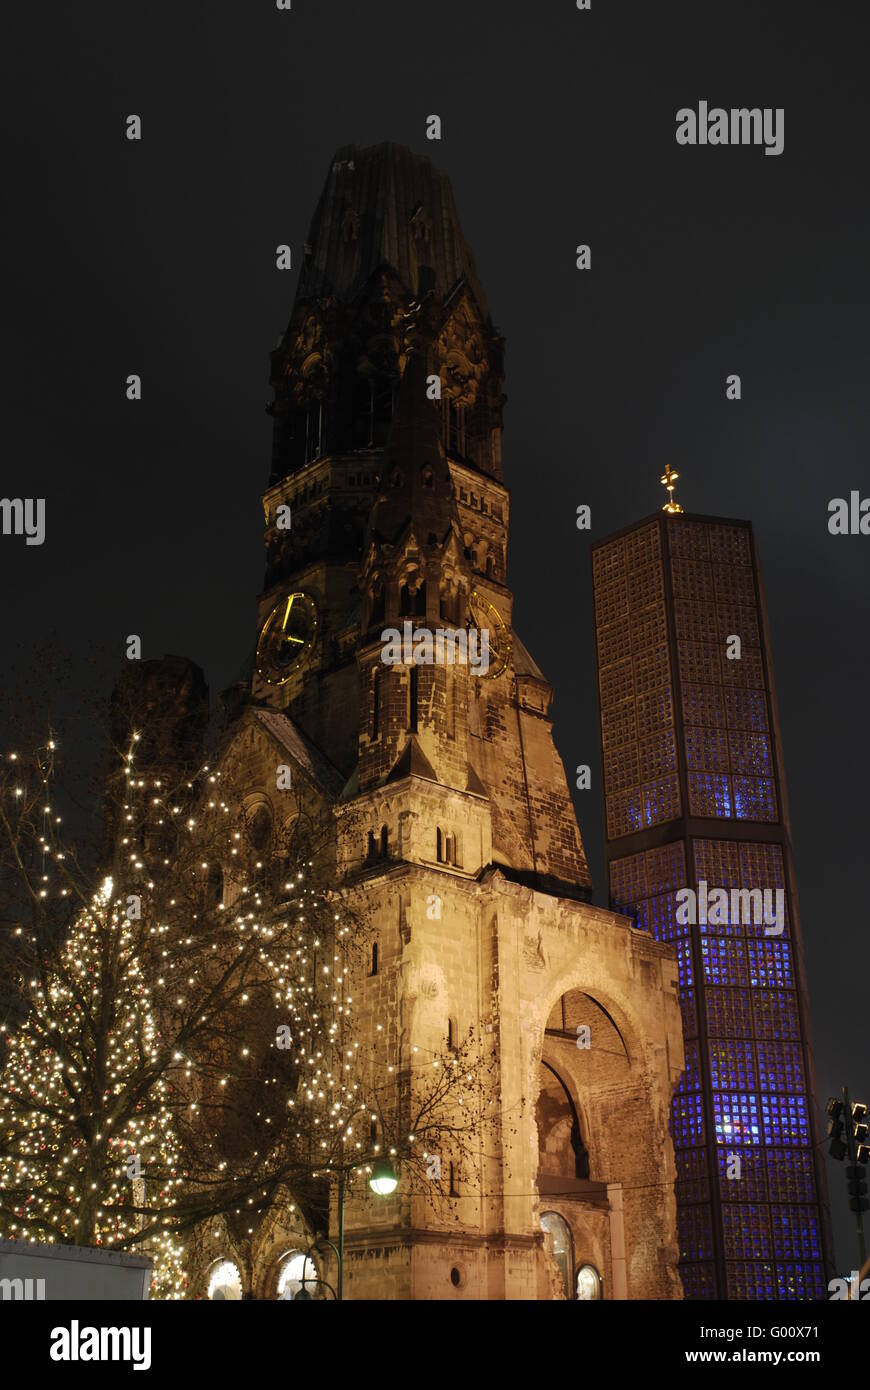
pixel 558 128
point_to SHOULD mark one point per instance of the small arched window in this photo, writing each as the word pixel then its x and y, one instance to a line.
pixel 563 1247
pixel 385 842
pixel 374 959
pixel 439 846
pixel 370 849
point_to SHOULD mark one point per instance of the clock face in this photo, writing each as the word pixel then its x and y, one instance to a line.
pixel 286 637
pixel 484 616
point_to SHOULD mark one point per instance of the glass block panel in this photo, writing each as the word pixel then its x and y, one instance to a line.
pixel 657 756
pixel 695 1233
pixel 617 725
pixel 658 916
pixel 729 544
pixel 691 1077
pixel 655 711
pixel 699 663
pixel 724 960
pixel 754 799
pixel 790 1174
pixel 750 754
pixel 748 1182
pixel 660 800
pixel 762 866
pixel 746 1232
pixel 616 683
pixel 718 862
pixel 687 1120
pixel 611 600
pixel 704 705
pixel 801 1281
pixel 784 1119
pixel 729 1013
pixel 623 813
pixel 689 538
pixel 755 1282
pixel 627 879
pixel 745 709
pixel 689 1012
pixel 613 642
pixel 734 583
pixel 744 670
pixel 770 964
pixel 620 768
pixel 699 1280
pixel 649 628
pixel 722 917
pixel 645 584
pixel 780 1067
pixel 732 1065
pixel 666 867
pixel 796 1233
pixel 651 669
pixel 710 795
pixel 684 963
pixel 693 1183
pixel 776 1014
pixel 696 622
pixel 692 581
pixel 736 619
pixel 707 750
pixel 735 1118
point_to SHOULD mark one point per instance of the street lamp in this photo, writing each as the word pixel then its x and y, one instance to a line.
pixel 383 1180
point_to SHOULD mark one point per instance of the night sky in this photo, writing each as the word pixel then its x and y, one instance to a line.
pixel 158 258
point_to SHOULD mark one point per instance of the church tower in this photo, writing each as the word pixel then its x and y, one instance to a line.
pixel 455 831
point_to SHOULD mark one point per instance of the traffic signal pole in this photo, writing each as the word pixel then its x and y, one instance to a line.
pixel 852 1148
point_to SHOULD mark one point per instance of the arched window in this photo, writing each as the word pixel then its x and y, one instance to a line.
pixel 451 1035
pixel 290 1278
pixel 563 1247
pixel 225 1283
pixel 370 851
pixel 452 1188
pixel 385 842
pixel 439 846
pixel 588 1284
pixel 374 964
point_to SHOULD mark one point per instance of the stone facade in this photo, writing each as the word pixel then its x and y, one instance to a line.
pixel 454 829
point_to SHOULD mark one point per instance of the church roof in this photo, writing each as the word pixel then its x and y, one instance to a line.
pixel 306 754
pixel 385 205
pixel 524 663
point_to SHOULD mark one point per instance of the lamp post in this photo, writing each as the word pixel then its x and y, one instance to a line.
pixel 383 1182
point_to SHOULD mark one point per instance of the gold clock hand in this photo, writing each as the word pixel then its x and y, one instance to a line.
pixel 290 598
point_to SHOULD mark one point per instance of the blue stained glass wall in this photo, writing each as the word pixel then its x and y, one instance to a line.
pixel 701 721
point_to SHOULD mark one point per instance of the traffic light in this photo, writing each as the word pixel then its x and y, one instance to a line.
pixel 855 1181
pixel 836 1148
